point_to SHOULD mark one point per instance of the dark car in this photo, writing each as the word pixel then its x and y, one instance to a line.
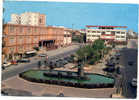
pixel 3 68
pixel 117 58
pixel 109 69
pixel 110 64
pixel 69 59
pixel 58 65
pixel 130 63
pixel 23 61
pixel 118 70
pixel 65 62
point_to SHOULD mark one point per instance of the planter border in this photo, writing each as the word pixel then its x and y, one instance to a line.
pixel 67 83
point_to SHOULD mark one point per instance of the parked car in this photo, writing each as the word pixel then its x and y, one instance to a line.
pixel 14 62
pixel 65 62
pixel 109 69
pixel 134 82
pixel 69 59
pixel 5 65
pixel 118 70
pixel 117 58
pixel 110 64
pixel 58 64
pixel 130 63
pixel 117 54
pixel 23 61
pixel 42 55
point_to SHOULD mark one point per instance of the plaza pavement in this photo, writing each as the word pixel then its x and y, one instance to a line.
pixel 39 89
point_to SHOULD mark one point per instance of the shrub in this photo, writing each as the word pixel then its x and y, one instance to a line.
pixel 92 61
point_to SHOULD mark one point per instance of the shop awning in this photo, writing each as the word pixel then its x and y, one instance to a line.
pixel 29 52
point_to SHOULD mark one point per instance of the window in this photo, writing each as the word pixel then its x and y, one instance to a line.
pixel 29 30
pixel 118 32
pixel 122 36
pixel 20 48
pixel 122 32
pixel 11 28
pixel 21 29
pixel 20 38
pixel 98 36
pixel 11 39
pixel 93 31
pixel 12 49
pixel 40 20
pixel 103 33
pixel 113 33
pixel 35 29
pixel 98 31
pixel 117 36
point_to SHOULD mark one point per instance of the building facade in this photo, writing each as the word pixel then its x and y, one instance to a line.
pixel 15 19
pixel 67 36
pixel 29 18
pixel 19 39
pixel 107 33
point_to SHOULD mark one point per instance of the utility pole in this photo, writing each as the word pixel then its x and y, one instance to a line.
pixel 72 26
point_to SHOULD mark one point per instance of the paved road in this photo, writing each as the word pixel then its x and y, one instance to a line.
pixel 129 72
pixel 24 67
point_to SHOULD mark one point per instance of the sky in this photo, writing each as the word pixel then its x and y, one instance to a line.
pixel 77 15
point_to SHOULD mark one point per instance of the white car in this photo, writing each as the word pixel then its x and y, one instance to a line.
pixel 134 82
pixel 6 64
pixel 42 55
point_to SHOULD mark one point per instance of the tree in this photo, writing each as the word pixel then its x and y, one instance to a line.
pixel 93 52
pixel 39 64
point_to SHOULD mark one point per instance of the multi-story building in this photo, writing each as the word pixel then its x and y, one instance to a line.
pixel 131 34
pixel 15 19
pixel 107 33
pixel 29 18
pixel 20 39
pixel 67 36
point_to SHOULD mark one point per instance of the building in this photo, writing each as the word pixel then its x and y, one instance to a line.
pixel 131 34
pixel 107 33
pixel 15 19
pixel 67 36
pixel 20 39
pixel 29 18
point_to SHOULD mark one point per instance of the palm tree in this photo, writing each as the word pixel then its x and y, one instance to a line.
pixel 39 64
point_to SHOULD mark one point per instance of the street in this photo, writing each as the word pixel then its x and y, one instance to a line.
pixel 129 71
pixel 10 72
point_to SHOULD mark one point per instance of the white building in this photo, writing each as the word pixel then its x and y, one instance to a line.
pixel 67 36
pixel 15 19
pixel 29 18
pixel 107 33
pixel 131 34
